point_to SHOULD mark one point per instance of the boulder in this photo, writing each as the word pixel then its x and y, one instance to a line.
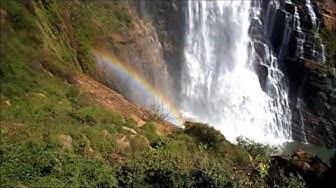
pixel 301 163
pixel 66 141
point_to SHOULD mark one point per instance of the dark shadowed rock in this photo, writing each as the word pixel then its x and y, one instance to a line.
pixel 300 56
pixel 309 167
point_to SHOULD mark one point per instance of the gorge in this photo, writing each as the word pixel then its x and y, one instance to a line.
pixel 244 67
pixel 168 93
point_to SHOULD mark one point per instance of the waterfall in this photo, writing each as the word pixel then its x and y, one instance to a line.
pixel 301 41
pixel 219 84
pixel 319 50
pixel 311 13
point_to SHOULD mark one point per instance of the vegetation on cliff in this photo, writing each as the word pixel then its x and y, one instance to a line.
pixel 53 134
pixel 329 40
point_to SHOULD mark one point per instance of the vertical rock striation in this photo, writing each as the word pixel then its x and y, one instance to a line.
pixel 292 29
pixel 168 17
pixel 139 48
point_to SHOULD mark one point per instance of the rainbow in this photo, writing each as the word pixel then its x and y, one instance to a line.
pixel 174 115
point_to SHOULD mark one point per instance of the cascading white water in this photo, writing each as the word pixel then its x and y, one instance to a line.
pixel 320 55
pixel 219 85
pixel 311 12
pixel 301 41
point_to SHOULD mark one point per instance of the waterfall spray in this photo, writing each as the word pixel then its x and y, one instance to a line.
pixel 136 88
pixel 219 85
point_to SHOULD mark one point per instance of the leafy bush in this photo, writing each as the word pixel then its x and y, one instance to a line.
pixel 93 115
pixel 149 131
pixel 19 15
pixel 160 168
pixel 45 165
pixel 151 168
pixel 215 142
pixel 215 176
pixel 260 152
pixel 206 135
pixel 290 181
pixel 263 169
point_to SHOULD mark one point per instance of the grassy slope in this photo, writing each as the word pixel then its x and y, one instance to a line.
pixel 36 107
pixel 40 109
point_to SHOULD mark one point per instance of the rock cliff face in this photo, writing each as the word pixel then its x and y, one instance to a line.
pixel 152 46
pixel 140 49
pixel 327 8
pixel 311 169
pixel 168 17
pixel 292 29
pixel 286 32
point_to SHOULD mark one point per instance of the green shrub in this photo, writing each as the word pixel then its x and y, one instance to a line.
pixel 19 15
pixel 160 168
pixel 260 152
pixel 161 176
pixel 263 169
pixel 96 115
pixel 215 142
pixel 149 131
pixel 289 181
pixel 152 168
pixel 214 176
pixel 45 165
pixel 206 135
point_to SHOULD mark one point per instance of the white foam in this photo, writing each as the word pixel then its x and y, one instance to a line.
pixel 219 85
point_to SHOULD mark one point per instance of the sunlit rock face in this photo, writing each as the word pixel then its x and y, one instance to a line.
pixel 327 8
pixel 134 65
pixel 169 19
